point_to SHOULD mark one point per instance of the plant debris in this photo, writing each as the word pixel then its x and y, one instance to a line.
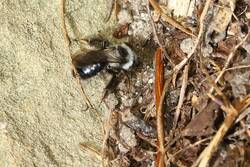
pixel 187 101
pixel 200 115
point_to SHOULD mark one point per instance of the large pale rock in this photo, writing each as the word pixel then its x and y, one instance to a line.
pixel 43 116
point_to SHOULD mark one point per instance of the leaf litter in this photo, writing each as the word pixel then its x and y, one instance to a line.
pixel 201 115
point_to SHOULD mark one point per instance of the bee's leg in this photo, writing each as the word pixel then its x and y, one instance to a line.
pixel 128 78
pixel 112 84
pixel 99 42
pixel 110 87
pixel 93 43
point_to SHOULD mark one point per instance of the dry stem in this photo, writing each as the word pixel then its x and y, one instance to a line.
pixel 232 114
pixel 182 94
pixel 159 80
pixel 168 19
pixel 66 38
pixel 202 18
pixel 156 36
pixel 63 26
pixel 91 150
pixel 229 59
pixel 165 88
pixel 108 129
pixel 187 147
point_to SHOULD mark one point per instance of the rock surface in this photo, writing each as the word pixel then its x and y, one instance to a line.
pixel 43 116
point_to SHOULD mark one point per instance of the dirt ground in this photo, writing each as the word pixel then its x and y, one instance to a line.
pixel 184 103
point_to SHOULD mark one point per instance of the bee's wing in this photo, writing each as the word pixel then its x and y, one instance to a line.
pixel 92 57
pixel 105 56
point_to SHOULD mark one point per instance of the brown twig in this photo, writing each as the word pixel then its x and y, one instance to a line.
pixel 228 69
pixel 187 147
pixel 91 150
pixel 63 26
pixel 229 59
pixel 114 5
pixel 66 38
pixel 159 76
pixel 153 27
pixel 112 126
pixel 232 114
pixel 110 8
pixel 208 77
pixel 201 20
pixel 168 19
pixel 112 120
pixel 152 142
pixel 159 80
pixel 237 67
pixel 159 109
pixel 182 94
pixel 156 36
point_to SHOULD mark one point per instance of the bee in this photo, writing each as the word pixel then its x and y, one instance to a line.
pixel 113 59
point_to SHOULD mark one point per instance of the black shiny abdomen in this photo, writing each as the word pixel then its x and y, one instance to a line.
pixel 90 70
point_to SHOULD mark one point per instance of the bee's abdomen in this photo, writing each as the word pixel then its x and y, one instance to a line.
pixel 88 71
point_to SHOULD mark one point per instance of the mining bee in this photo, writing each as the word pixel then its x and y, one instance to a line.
pixel 113 59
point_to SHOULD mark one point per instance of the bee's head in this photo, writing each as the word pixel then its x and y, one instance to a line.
pixel 127 55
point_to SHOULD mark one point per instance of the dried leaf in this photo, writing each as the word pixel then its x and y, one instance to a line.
pixel 203 122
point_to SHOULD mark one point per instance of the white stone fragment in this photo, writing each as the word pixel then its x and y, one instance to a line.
pixel 187 45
